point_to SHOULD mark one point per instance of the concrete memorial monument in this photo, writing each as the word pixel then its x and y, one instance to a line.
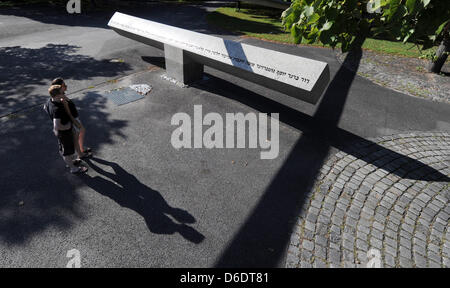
pixel 186 52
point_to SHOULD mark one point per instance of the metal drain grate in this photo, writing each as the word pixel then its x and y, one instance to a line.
pixel 123 96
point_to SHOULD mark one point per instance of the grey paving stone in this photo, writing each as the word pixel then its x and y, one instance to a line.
pixel 364 222
pixel 330 201
pixel 353 214
pixel 388 241
pixel 319 263
pixel 438 204
pixel 377 234
pixel 292 261
pixel 368 210
pixel 432 264
pixel 322 219
pixel 321 229
pixel 380 218
pixel 446 251
pixel 363 236
pixel 335 229
pixel 434 248
pixel 405 263
pixel 405 252
pixel 295 240
pixel 420 239
pixel 308 245
pixel 399 209
pixel 392 226
pixel 420 261
pixel 361 257
pixel 424 197
pixel 446 262
pixel 432 256
pixel 316 204
pixel 320 252
pixel 366 217
pixel 439 228
pixel 334 238
pixel 312 217
pixel 377 225
pixel 339 213
pixel 310 226
pixel 430 212
pixel 386 204
pixel 348 255
pixel 348 264
pixel 388 182
pixel 408 228
pixel 306 255
pixel 321 240
pixel 382 185
pixel 362 245
pixel 376 243
pixel 390 233
pixel 335 246
pixel 389 260
pixel 382 211
pixel 441 199
pixel 325 212
pixel 294 250
pixel 363 229
pixel 400 187
pixel 364 189
pixel 426 218
pixel 307 234
pixel 420 250
pixel 349 245
pixel 406 242
pixel 340 184
pixel 391 250
pixel 334 256
pixel 404 199
pixel 305 264
pixel 409 221
pixel 371 202
pixel 350 222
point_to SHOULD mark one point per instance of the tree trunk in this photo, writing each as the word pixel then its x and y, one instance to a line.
pixel 442 52
pixel 441 57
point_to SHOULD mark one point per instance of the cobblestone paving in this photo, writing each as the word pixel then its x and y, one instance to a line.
pixel 392 199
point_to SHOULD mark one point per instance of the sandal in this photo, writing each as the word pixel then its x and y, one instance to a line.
pixel 87 150
pixel 80 170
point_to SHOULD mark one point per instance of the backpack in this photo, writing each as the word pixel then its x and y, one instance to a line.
pixel 47 109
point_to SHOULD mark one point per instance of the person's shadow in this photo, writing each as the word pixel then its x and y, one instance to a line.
pixel 128 192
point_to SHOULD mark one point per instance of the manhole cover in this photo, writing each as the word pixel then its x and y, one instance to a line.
pixel 123 96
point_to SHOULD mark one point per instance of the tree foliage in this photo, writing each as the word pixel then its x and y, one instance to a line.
pixel 348 21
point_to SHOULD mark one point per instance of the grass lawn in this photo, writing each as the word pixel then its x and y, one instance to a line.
pixel 266 24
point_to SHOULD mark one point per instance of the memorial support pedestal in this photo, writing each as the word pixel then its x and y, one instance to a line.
pixel 180 66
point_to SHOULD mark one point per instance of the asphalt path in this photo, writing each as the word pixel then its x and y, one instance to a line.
pixel 144 203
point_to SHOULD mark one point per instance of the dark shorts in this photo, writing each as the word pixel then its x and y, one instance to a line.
pixel 65 142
